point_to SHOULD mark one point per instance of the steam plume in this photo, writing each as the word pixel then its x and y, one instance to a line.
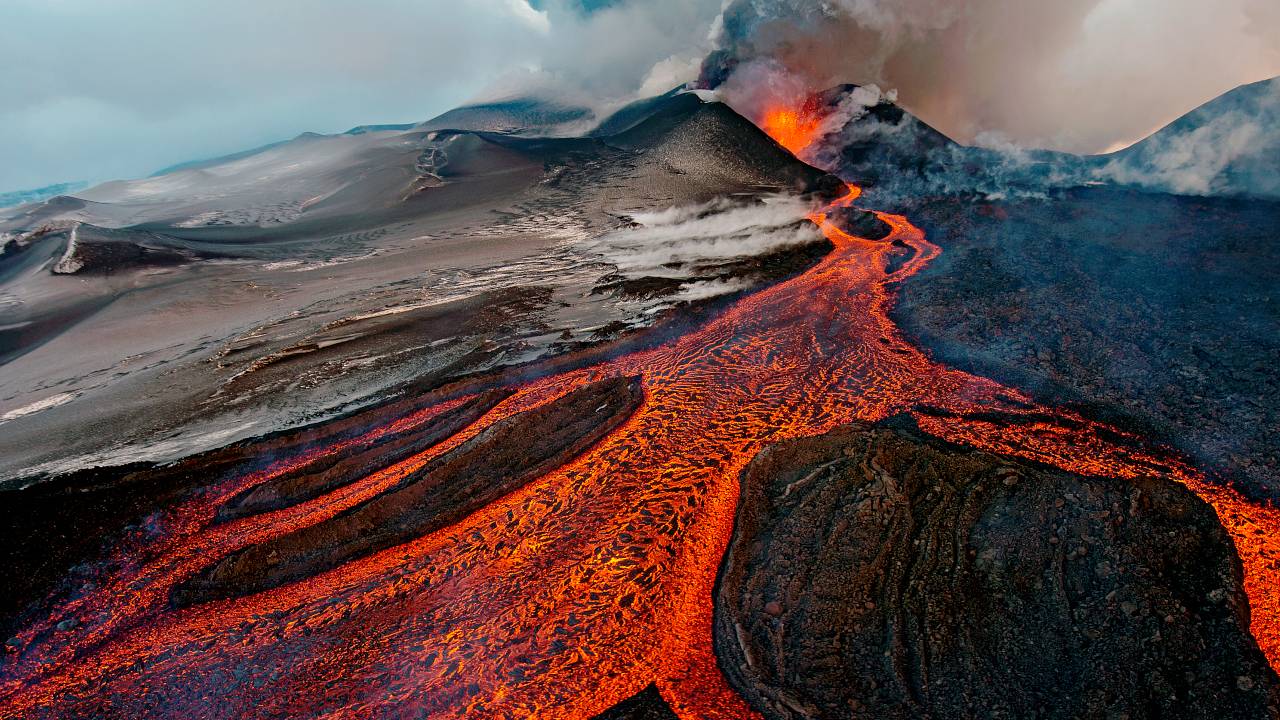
pixel 1076 75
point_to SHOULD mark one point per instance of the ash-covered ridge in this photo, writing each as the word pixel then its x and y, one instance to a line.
pixel 1228 146
pixel 226 298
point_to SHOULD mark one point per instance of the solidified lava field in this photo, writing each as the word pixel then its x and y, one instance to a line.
pixel 589 533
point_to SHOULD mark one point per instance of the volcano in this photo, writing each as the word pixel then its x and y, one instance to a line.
pixel 485 418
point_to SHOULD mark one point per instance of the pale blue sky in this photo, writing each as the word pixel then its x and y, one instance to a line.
pixel 100 89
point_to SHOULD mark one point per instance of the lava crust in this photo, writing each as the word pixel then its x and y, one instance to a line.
pixel 876 573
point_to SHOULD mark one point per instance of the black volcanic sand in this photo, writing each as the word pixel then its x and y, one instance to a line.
pixel 1155 312
pixel 877 573
pixel 302 281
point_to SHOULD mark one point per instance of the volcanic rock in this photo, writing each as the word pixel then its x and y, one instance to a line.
pixel 861 223
pixel 1152 312
pixel 644 705
pixel 877 573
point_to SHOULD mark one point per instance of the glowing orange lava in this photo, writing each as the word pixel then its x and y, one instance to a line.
pixel 793 129
pixel 586 585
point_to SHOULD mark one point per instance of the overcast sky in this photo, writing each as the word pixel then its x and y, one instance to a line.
pixel 97 89
pixel 93 90
pixel 1076 75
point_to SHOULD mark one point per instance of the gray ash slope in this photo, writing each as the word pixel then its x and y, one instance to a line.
pixel 232 297
pixel 1154 310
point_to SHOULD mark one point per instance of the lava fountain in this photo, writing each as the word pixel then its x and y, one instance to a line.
pixel 589 583
pixel 793 128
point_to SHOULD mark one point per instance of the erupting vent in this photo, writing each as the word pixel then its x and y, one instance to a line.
pixel 793 129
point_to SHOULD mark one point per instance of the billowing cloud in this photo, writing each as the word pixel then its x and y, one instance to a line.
pixel 1075 75
pixel 95 90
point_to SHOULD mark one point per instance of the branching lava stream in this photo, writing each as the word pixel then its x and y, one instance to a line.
pixel 584 586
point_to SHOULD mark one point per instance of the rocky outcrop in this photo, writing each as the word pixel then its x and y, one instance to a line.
pixel 500 459
pixel 644 705
pixel 103 251
pixel 874 573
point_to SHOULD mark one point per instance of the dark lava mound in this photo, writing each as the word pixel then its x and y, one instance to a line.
pixel 499 460
pixel 330 471
pixel 1154 312
pixel 875 573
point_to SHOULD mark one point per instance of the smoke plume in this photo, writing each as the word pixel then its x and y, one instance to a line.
pixel 1231 146
pixel 1082 76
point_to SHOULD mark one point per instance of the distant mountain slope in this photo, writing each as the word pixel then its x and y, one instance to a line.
pixel 315 175
pixel 516 115
pixel 218 160
pixel 18 197
pixel 898 158
pixel 1228 146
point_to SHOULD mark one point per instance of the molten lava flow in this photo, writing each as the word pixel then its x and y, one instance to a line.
pixel 793 129
pixel 584 586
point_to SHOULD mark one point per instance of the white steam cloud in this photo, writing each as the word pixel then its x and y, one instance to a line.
pixel 667 243
pixel 1077 75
